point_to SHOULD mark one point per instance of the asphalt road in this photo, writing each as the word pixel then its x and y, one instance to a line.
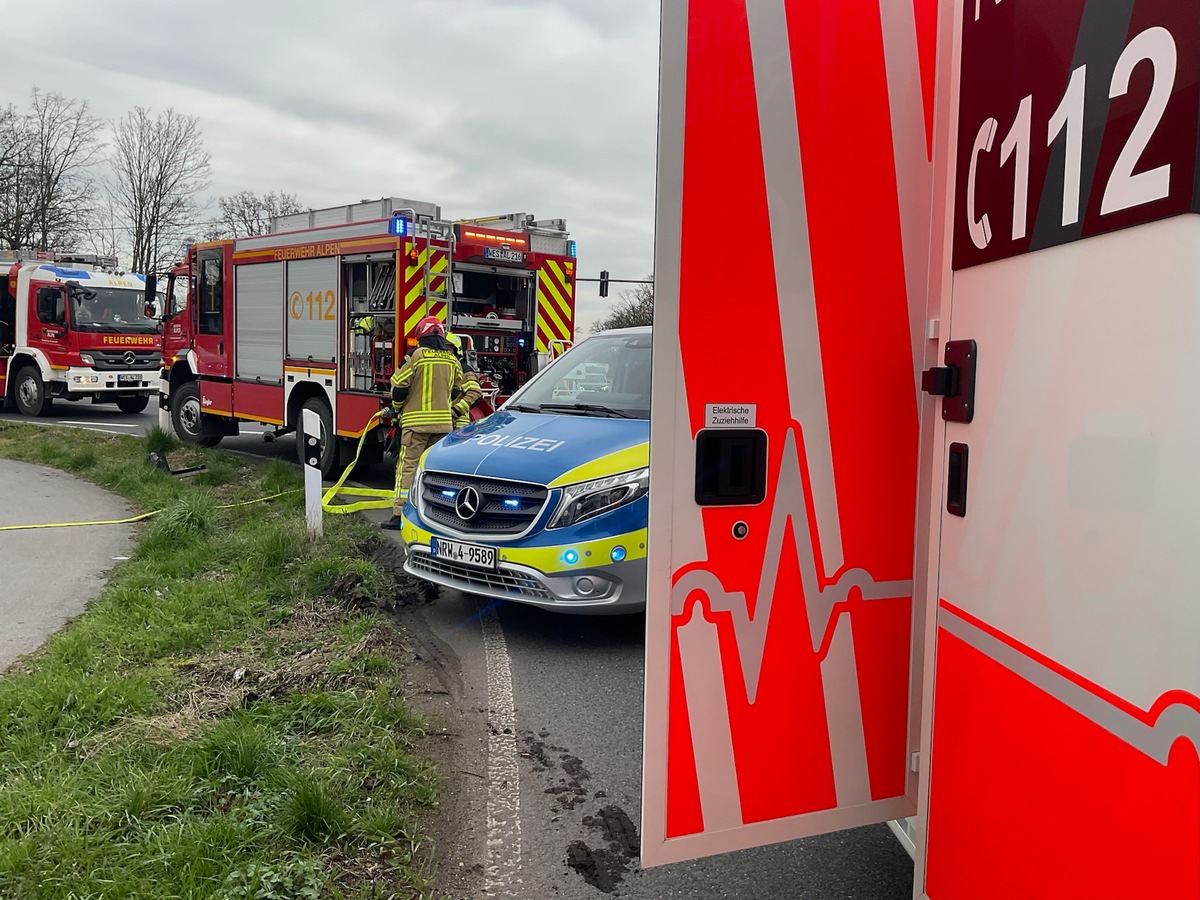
pixel 107 419
pixel 577 691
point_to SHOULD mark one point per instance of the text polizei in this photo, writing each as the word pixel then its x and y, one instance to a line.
pixel 513 442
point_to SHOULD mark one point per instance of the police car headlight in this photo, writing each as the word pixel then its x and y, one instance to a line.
pixel 580 502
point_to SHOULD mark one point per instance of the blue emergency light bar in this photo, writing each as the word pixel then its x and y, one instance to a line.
pixel 571 249
pixel 398 226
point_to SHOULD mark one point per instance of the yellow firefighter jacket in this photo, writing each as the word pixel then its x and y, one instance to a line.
pixel 472 392
pixel 423 389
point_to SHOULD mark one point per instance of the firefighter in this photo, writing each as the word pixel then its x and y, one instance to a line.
pixel 423 389
pixel 472 392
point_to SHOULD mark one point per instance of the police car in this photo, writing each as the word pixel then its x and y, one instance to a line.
pixel 545 501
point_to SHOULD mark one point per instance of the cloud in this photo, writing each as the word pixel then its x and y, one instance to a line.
pixel 480 106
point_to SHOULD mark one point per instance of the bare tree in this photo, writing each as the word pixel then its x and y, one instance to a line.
pixel 246 214
pixel 636 307
pixel 14 156
pixel 47 189
pixel 159 168
pixel 107 235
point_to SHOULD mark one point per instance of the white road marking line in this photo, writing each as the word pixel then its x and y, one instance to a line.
pixel 97 425
pixel 504 777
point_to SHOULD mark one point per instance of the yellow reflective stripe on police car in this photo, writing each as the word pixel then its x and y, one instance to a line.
pixel 627 460
pixel 551 559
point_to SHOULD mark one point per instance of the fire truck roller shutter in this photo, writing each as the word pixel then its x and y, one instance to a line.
pixel 256 321
pixel 311 309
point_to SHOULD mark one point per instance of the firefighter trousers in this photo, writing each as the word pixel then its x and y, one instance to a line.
pixel 412 445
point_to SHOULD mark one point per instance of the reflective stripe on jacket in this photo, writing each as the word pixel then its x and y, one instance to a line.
pixel 424 387
pixel 472 393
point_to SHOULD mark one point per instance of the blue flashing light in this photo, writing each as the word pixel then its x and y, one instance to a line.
pixel 571 249
pixel 618 554
pixel 513 504
pixel 68 273
pixel 450 494
pixel 571 557
pixel 398 226
pixel 520 342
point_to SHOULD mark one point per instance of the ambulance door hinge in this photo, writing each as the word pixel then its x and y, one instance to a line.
pixel 955 381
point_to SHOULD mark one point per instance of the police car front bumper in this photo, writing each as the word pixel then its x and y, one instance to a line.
pixel 614 589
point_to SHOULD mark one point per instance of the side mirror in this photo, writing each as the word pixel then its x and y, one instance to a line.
pixel 151 295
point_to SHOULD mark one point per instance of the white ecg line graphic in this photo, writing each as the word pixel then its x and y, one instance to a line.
pixel 831 640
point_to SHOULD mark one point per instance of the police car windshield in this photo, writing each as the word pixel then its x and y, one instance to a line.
pixel 109 309
pixel 601 376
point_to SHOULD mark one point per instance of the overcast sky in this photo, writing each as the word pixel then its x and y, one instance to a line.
pixel 481 106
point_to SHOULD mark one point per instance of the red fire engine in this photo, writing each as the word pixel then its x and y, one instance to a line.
pixel 318 313
pixel 72 327
pixel 934 562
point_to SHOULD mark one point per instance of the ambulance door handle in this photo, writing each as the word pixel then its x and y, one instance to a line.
pixel 955 381
pixel 956 480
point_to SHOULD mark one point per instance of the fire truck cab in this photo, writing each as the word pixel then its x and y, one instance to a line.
pixel 319 312
pixel 72 327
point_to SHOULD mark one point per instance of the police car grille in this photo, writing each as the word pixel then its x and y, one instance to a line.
pixel 506 507
pixel 115 359
pixel 466 578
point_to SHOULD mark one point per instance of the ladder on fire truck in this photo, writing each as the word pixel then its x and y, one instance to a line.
pixel 437 230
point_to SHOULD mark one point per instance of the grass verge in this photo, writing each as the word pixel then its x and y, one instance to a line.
pixel 225 720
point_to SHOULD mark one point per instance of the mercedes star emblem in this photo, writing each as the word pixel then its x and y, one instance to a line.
pixel 466 504
pixel 130 358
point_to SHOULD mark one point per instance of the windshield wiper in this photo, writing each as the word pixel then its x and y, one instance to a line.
pixel 524 407
pixel 588 407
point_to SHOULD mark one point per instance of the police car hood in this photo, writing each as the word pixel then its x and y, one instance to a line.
pixel 545 449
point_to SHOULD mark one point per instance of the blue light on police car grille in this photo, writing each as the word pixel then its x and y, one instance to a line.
pixel 398 226
pixel 513 504
pixel 571 557
pixel 618 554
pixel 571 249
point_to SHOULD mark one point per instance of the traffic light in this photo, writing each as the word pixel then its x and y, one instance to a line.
pixel 604 283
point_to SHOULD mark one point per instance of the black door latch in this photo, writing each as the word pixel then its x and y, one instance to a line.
pixel 955 381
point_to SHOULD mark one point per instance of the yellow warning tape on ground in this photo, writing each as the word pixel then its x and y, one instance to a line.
pixel 139 518
pixel 385 498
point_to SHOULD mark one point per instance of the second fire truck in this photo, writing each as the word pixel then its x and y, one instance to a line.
pixel 317 314
pixel 73 328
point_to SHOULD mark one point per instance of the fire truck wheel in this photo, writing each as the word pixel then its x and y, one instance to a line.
pixel 329 442
pixel 132 405
pixel 185 416
pixel 30 392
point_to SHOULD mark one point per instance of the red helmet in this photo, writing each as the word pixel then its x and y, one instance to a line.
pixel 429 325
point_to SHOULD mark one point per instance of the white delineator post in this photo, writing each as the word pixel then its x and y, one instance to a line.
pixel 164 401
pixel 311 423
